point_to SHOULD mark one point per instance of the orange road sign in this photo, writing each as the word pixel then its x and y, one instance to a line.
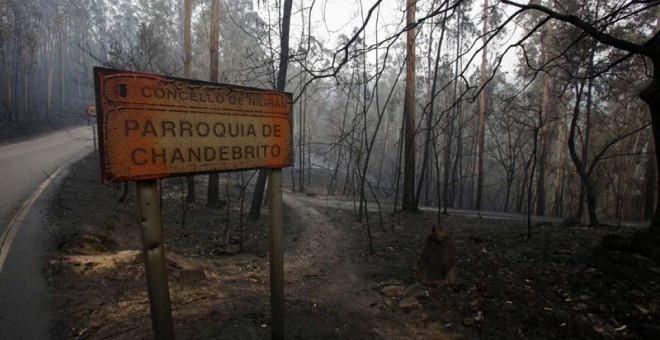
pixel 153 126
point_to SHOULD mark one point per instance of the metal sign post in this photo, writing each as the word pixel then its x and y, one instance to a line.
pixel 154 259
pixel 152 126
pixel 276 253
pixel 90 110
pixel 94 137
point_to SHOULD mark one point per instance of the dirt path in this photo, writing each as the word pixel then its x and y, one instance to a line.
pixel 318 270
pixel 327 287
pixel 98 284
pixel 316 247
pixel 550 286
pixel 318 267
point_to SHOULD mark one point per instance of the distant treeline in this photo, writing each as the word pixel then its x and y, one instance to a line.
pixel 45 74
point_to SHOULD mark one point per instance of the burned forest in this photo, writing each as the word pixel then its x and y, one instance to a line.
pixel 302 169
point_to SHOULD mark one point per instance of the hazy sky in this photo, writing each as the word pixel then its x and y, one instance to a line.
pixel 331 18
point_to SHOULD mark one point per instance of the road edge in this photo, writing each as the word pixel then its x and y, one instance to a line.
pixel 9 234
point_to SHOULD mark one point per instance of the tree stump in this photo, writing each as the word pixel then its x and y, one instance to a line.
pixel 436 264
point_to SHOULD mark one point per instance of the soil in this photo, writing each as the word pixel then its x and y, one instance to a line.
pixel 553 285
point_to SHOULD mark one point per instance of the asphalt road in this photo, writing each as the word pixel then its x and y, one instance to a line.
pixel 489 215
pixel 25 169
pixel 25 165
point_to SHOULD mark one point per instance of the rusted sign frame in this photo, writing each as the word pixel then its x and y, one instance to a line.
pixel 104 104
pixel 151 224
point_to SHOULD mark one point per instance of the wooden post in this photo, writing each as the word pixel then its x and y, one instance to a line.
pixel 154 259
pixel 94 135
pixel 124 157
pixel 276 254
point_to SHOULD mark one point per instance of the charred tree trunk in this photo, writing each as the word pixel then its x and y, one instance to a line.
pixel 651 179
pixel 651 95
pixel 523 187
pixel 187 65
pixel 447 163
pixel 342 137
pixel 585 147
pixel 399 157
pixel 456 176
pixel 652 163
pixel 429 118
pixel 62 77
pixel 580 164
pixel 543 155
pixel 559 179
pixel 482 109
pixel 509 183
pixel 382 155
pixel 543 136
pixel 301 141
pixel 49 88
pixel 409 203
pixel 447 196
pixel 532 160
pixel 255 207
pixel 213 193
pixel 8 88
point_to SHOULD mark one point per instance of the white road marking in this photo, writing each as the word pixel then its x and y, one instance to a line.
pixel 7 237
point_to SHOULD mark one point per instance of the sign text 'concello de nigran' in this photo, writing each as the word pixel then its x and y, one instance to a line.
pixel 152 126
